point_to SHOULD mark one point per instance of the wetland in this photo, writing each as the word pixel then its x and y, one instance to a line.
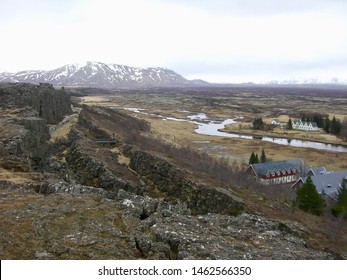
pixel 217 120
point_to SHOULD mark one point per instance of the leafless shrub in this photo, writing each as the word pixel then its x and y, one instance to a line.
pixel 198 162
pixel 278 193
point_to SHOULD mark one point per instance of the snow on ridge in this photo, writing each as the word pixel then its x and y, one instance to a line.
pixel 99 74
pixel 307 81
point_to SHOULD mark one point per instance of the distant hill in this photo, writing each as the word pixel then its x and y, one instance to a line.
pixel 102 75
pixel 199 82
pixel 308 81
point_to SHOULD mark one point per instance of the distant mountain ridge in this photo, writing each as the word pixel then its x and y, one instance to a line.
pixel 102 75
pixel 308 81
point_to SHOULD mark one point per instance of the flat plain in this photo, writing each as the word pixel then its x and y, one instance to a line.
pixel 240 103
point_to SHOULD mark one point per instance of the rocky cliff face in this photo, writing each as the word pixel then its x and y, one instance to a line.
pixel 90 171
pixel 24 139
pixel 25 110
pixel 172 181
pixel 50 104
pixel 34 142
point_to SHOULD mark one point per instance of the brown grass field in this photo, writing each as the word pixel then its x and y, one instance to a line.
pixel 249 103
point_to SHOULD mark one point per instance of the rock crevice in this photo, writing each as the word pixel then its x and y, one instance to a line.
pixel 173 182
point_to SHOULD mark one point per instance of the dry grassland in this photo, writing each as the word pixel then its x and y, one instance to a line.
pixel 63 130
pixel 18 177
pixel 226 103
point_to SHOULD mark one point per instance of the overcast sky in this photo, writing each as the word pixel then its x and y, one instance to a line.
pixel 215 40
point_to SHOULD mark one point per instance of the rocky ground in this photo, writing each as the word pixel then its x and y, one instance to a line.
pixel 111 191
pixel 67 221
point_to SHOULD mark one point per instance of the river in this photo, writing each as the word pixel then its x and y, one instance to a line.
pixel 206 126
pixel 212 128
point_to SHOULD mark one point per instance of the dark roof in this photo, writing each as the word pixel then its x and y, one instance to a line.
pixel 315 170
pixel 273 166
pixel 328 183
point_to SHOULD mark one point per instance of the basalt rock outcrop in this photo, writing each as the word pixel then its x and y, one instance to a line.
pixel 90 171
pixel 25 111
pixel 49 103
pixel 173 181
pixel 68 221
pixel 34 142
pixel 24 138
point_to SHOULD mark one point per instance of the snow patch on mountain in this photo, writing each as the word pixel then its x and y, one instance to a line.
pixel 98 74
pixel 308 81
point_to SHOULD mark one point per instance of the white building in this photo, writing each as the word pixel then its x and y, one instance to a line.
pixel 308 126
pixel 276 122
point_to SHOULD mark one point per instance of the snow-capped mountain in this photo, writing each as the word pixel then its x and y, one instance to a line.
pixel 308 81
pixel 97 74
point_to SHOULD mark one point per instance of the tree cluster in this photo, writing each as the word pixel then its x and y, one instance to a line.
pixel 332 126
pixel 308 199
pixel 254 158
pixel 290 124
pixel 258 124
pixel 319 119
